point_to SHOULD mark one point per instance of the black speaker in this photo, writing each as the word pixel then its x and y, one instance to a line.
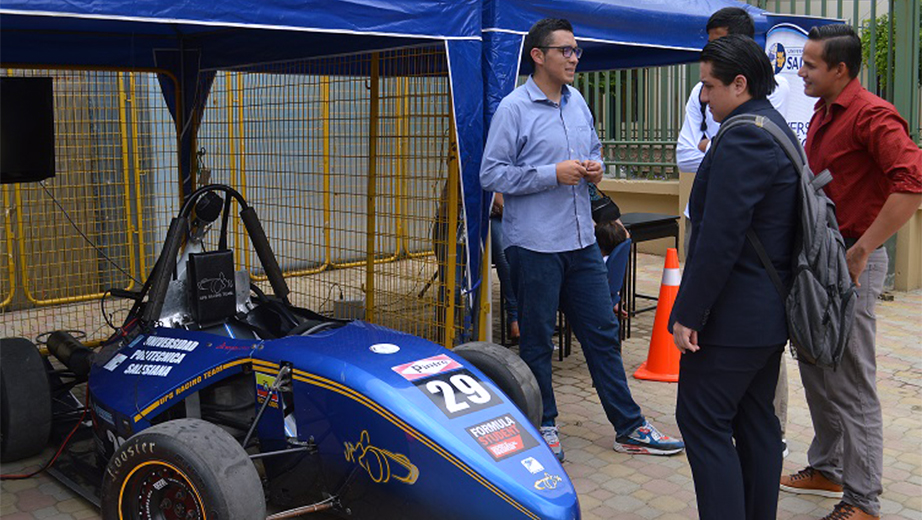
pixel 26 129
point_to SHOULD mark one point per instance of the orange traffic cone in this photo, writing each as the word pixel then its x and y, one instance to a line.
pixel 663 359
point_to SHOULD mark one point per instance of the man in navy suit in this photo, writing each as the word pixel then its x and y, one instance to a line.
pixel 728 319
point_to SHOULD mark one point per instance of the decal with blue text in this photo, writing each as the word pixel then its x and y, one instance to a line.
pixel 532 465
pixel 426 367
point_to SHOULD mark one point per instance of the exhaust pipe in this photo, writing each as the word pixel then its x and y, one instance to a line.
pixel 70 352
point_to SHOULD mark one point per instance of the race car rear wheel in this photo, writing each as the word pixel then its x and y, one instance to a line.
pixel 25 400
pixel 185 469
pixel 510 374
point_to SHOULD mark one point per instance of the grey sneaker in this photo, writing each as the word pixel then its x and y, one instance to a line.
pixel 551 437
pixel 647 440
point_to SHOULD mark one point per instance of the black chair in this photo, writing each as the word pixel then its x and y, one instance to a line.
pixel 563 330
pixel 643 227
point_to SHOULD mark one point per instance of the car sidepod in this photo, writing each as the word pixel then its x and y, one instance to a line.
pixel 405 429
pixel 154 372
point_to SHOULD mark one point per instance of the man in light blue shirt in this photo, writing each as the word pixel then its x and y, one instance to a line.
pixel 541 153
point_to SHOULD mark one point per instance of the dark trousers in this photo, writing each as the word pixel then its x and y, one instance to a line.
pixel 725 395
pixel 577 282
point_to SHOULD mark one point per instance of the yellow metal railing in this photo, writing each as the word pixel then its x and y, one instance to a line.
pixel 347 172
pixel 72 237
pixel 349 161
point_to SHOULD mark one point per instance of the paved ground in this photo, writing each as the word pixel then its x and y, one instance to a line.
pixel 616 486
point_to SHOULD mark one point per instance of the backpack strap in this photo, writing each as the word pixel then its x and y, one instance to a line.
pixel 797 157
pixel 704 115
pixel 767 263
pixel 795 153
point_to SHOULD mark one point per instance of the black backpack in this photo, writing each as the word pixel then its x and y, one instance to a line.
pixel 820 304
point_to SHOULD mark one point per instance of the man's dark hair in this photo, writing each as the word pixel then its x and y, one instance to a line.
pixel 735 19
pixel 609 234
pixel 736 55
pixel 540 34
pixel 840 45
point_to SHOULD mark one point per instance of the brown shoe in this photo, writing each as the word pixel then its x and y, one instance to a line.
pixel 845 511
pixel 809 481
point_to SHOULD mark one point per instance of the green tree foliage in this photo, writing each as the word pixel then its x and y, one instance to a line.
pixel 881 42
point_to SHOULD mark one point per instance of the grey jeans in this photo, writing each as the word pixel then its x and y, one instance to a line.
pixel 781 395
pixel 848 437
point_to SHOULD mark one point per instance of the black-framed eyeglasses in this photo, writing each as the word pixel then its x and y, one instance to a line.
pixel 566 51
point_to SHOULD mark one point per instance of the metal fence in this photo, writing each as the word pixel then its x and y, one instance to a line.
pixel 353 179
pixel 95 225
pixel 347 160
pixel 639 112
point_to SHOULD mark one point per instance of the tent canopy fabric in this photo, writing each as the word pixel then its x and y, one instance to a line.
pixel 190 40
pixel 614 34
pixel 122 33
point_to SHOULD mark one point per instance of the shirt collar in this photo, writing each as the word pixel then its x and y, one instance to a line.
pixel 749 106
pixel 536 94
pixel 845 98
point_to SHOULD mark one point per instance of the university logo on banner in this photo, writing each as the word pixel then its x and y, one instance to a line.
pixel 784 45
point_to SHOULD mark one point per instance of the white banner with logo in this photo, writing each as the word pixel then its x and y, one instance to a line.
pixel 784 44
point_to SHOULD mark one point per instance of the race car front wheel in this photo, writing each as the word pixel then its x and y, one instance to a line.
pixel 186 469
pixel 510 374
pixel 25 400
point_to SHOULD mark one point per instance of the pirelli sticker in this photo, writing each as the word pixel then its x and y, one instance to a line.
pixel 502 437
pixel 427 367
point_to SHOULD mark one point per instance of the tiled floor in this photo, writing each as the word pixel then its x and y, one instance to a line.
pixel 616 486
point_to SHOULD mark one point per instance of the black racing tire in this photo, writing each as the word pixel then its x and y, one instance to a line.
pixel 172 468
pixel 509 372
pixel 25 400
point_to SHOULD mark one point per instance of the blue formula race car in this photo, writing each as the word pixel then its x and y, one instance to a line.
pixel 217 401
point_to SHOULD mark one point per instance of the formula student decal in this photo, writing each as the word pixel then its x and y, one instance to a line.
pixel 457 393
pixel 426 367
pixel 502 437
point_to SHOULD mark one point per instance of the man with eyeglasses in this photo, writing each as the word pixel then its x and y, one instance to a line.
pixel 542 153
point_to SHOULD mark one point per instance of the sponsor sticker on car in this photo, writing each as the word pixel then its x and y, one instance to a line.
pixel 502 437
pixel 457 393
pixel 532 465
pixel 427 367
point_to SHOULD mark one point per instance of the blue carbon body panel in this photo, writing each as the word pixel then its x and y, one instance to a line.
pixel 159 370
pixel 401 424
pixel 381 429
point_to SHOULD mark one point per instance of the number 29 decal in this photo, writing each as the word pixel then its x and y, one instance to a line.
pixel 457 393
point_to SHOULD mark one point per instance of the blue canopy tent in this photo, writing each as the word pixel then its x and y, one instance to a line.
pixel 614 34
pixel 188 41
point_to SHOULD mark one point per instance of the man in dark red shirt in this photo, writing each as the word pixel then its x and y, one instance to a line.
pixel 877 186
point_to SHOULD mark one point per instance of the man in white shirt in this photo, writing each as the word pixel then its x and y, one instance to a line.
pixel 695 137
pixel 699 126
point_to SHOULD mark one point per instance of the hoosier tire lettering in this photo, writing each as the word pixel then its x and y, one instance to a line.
pixel 128 453
pixel 185 468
